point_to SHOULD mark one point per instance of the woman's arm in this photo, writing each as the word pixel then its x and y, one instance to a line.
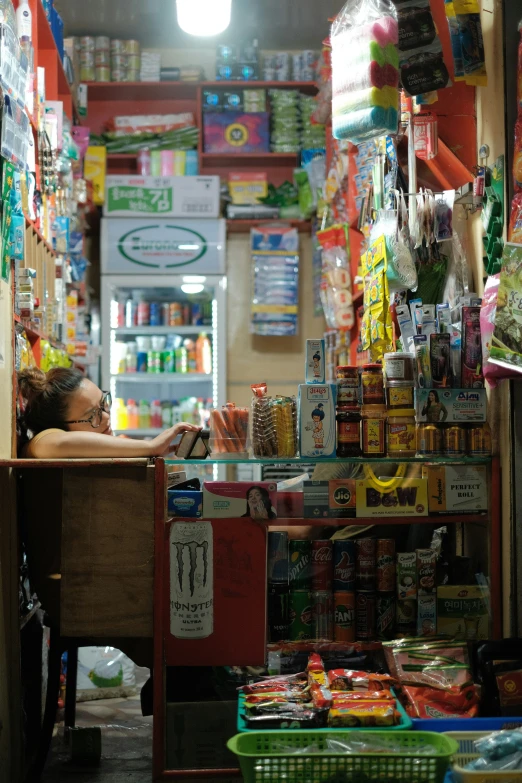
pixel 444 413
pixel 82 445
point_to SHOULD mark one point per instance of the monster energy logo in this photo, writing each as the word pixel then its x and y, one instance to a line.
pixel 192 547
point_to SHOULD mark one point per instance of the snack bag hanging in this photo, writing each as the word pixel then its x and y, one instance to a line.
pixel 365 74
pixel 336 281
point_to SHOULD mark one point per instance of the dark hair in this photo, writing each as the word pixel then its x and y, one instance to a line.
pixel 265 497
pixel 428 401
pixel 316 355
pixel 46 397
pixel 318 411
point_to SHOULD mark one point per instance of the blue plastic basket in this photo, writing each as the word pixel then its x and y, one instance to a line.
pixel 405 722
pixel 465 724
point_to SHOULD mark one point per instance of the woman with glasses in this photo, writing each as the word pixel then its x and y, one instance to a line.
pixel 65 415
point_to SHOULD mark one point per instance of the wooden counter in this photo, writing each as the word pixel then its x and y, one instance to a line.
pixel 89 527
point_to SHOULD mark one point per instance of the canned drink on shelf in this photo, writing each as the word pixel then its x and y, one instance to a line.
pixel 278 557
pixel 300 564
pixel 186 313
pixel 132 47
pixel 429 439
pixel 322 565
pixel 102 43
pixel 385 565
pixel 131 313
pixel 102 58
pixel 300 615
pixel 322 614
pixel 155 314
pixel 102 74
pixel 176 314
pixel 406 617
pixel 165 314
pixel 365 617
pixel 119 61
pixel 344 554
pixel 365 564
pixel 344 616
pixel 454 440
pixel 134 62
pixel 117 46
pixel 143 314
pixel 87 58
pixel 277 612
pixel 385 617
pixel 197 314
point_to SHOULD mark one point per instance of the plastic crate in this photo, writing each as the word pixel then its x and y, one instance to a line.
pixel 465 724
pixel 467 753
pixel 262 761
pixel 404 725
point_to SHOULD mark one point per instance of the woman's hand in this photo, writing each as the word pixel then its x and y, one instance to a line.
pixel 161 446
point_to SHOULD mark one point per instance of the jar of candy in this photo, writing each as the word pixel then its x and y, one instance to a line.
pixel 348 432
pixel 373 430
pixel 372 385
pixel 401 433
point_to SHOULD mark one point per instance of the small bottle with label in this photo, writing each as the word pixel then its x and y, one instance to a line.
pixel 348 432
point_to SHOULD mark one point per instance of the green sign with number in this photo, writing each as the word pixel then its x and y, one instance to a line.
pixel 150 201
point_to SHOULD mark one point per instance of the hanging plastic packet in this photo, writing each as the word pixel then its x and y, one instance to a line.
pixel 472 43
pixel 425 136
pixel 416 26
pixel 404 271
pixel 456 44
pixel 304 193
pixel 336 282
pixel 444 215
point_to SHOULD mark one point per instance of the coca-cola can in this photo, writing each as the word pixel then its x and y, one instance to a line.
pixel 366 564
pixel 322 615
pixel 344 566
pixel 322 565
pixel 385 565
pixel 365 614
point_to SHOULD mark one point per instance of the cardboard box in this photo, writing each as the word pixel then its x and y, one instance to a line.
pixel 462 611
pixel 197 734
pixel 161 196
pixel 316 415
pixel 456 488
pixel 315 362
pixel 409 498
pixel 426 569
pixel 341 498
pixel 94 169
pixel 247 187
pixel 185 503
pixel 427 615
pixel 223 499
pixel 236 132
pixel 406 575
pixel 460 405
pixel 315 499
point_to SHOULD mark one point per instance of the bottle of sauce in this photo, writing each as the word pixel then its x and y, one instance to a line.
pixel 132 415
pixel 348 432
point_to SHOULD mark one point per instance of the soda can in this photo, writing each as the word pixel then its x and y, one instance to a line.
pixel 322 565
pixel 407 617
pixel 385 565
pixel 277 612
pixel 299 565
pixel 344 616
pixel 155 314
pixel 344 565
pixel 131 313
pixel 365 564
pixel 300 615
pixel 176 314
pixel 186 313
pixel 165 314
pixel 143 314
pixel 365 611
pixel 455 440
pixel 278 557
pixel 322 614
pixel 197 314
pixel 385 617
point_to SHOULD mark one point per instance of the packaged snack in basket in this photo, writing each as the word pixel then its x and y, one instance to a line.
pixel 315 663
pixel 363 714
pixel 340 697
pixel 443 665
pixel 279 684
pixel 297 718
pixel 434 703
pixel 321 696
pixel 274 424
pixel 348 680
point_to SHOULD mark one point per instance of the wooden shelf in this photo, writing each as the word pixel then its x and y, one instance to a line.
pixel 148 91
pixel 32 224
pixel 431 519
pixel 244 226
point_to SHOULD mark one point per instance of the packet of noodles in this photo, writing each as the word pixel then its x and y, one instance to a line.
pixel 434 703
pixel 443 665
pixel 348 680
pixel 341 697
pixel 275 685
pixel 363 714
pixel 321 696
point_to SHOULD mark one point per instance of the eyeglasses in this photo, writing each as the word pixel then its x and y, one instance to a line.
pixel 96 418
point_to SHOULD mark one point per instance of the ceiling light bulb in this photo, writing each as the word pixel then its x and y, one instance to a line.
pixel 192 288
pixel 204 17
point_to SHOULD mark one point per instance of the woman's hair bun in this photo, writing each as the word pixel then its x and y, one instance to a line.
pixel 31 382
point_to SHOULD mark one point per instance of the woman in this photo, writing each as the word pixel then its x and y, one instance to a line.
pixel 69 417
pixel 259 505
pixel 434 410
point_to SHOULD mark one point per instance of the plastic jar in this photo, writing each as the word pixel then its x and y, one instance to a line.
pixel 373 430
pixel 398 367
pixel 348 433
pixel 399 394
pixel 347 385
pixel 401 432
pixel 372 384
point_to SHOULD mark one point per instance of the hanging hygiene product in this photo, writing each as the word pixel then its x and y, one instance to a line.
pixel 365 70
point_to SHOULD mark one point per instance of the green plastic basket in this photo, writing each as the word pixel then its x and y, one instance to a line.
pixel 262 761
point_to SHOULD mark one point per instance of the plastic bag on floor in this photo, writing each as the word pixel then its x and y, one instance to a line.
pixel 104 673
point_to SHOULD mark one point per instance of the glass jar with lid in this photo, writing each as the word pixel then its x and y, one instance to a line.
pixel 372 384
pixel 401 433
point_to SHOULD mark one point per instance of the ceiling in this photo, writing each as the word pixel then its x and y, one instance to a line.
pixel 278 24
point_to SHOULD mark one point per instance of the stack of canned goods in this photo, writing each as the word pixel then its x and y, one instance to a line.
pixel 453 440
pixel 102 57
pixel 87 58
pixel 125 60
pixel 375 586
pixel 105 60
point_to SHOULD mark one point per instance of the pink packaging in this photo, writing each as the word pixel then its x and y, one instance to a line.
pixel 493 373
pixel 167 163
pixel 257 500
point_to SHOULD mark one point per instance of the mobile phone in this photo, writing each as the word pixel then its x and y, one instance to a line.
pixel 194 445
